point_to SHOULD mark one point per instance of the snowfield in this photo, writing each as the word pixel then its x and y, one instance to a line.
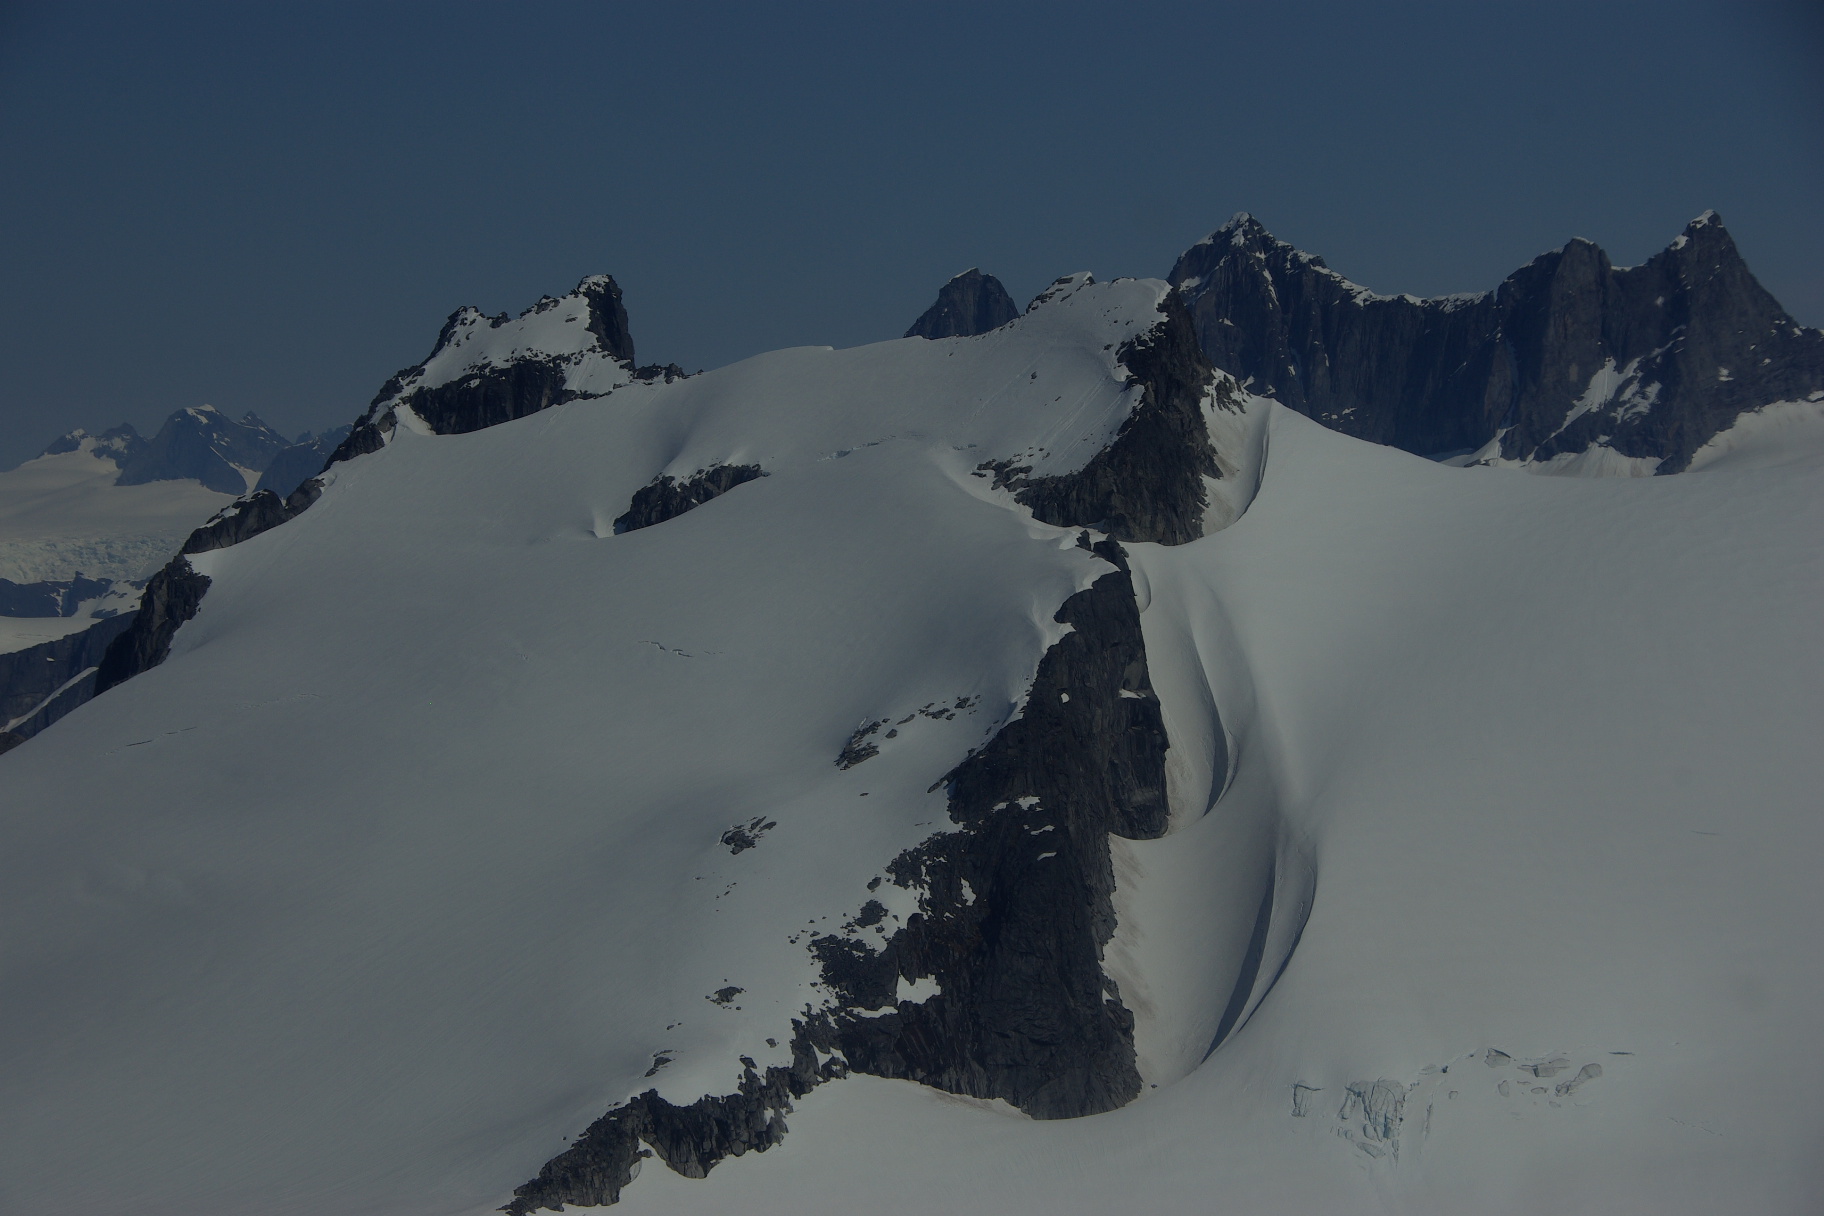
pixel 410 862
pixel 63 515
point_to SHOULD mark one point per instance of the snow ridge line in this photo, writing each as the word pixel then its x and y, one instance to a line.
pixel 1148 484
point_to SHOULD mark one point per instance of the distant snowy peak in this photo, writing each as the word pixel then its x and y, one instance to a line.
pixel 1571 364
pixel 294 465
pixel 203 444
pixel 971 303
pixel 118 444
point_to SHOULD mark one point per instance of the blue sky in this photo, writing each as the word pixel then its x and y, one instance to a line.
pixel 273 207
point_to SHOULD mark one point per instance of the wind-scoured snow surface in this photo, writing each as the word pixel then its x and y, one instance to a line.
pixel 410 861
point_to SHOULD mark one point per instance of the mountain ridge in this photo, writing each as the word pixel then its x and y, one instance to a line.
pixel 1569 355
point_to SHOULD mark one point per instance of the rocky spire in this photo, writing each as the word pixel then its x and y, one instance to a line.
pixel 971 303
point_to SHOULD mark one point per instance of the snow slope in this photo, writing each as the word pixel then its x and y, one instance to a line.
pixel 1539 753
pixel 408 863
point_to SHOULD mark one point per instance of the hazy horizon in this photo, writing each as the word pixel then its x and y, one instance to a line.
pixel 275 209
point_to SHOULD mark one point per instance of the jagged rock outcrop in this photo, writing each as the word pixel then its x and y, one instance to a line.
pixel 1567 354
pixel 690 1139
pixel 486 370
pixel 1148 484
pixel 969 304
pixel 204 444
pixel 1015 905
pixel 175 593
pixel 667 498
pixel 1015 908
pixel 172 597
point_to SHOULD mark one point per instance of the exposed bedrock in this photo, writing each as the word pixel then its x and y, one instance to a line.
pixel 175 593
pixel 490 396
pixel 1015 908
pixel 172 596
pixel 689 1139
pixel 1015 905
pixel 667 498
pixel 490 393
pixel 1569 351
pixel 1148 485
pixel 969 304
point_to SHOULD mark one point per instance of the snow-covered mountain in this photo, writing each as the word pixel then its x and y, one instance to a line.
pixel 1570 365
pixel 203 444
pixel 1049 775
pixel 66 513
pixel 292 466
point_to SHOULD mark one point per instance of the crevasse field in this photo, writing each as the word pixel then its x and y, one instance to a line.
pixel 407 864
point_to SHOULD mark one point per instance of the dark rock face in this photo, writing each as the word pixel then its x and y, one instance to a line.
pixel 607 316
pixel 491 396
pixel 204 444
pixel 666 498
pixel 1148 484
pixel 690 1139
pixel 57 597
pixel 1569 351
pixel 248 517
pixel 295 465
pixel 971 303
pixel 1015 908
pixel 172 597
pixel 28 677
pixel 666 372
pixel 174 594
pixel 1016 904
pixel 859 747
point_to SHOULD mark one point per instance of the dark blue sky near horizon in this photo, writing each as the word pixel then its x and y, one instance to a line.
pixel 273 207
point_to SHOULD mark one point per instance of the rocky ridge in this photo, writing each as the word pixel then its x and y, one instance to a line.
pixel 1569 355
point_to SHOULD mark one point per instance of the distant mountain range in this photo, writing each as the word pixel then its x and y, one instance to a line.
pixel 86 521
pixel 202 444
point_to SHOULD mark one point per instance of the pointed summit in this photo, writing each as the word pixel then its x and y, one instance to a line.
pixel 607 315
pixel 969 304
pixel 203 444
